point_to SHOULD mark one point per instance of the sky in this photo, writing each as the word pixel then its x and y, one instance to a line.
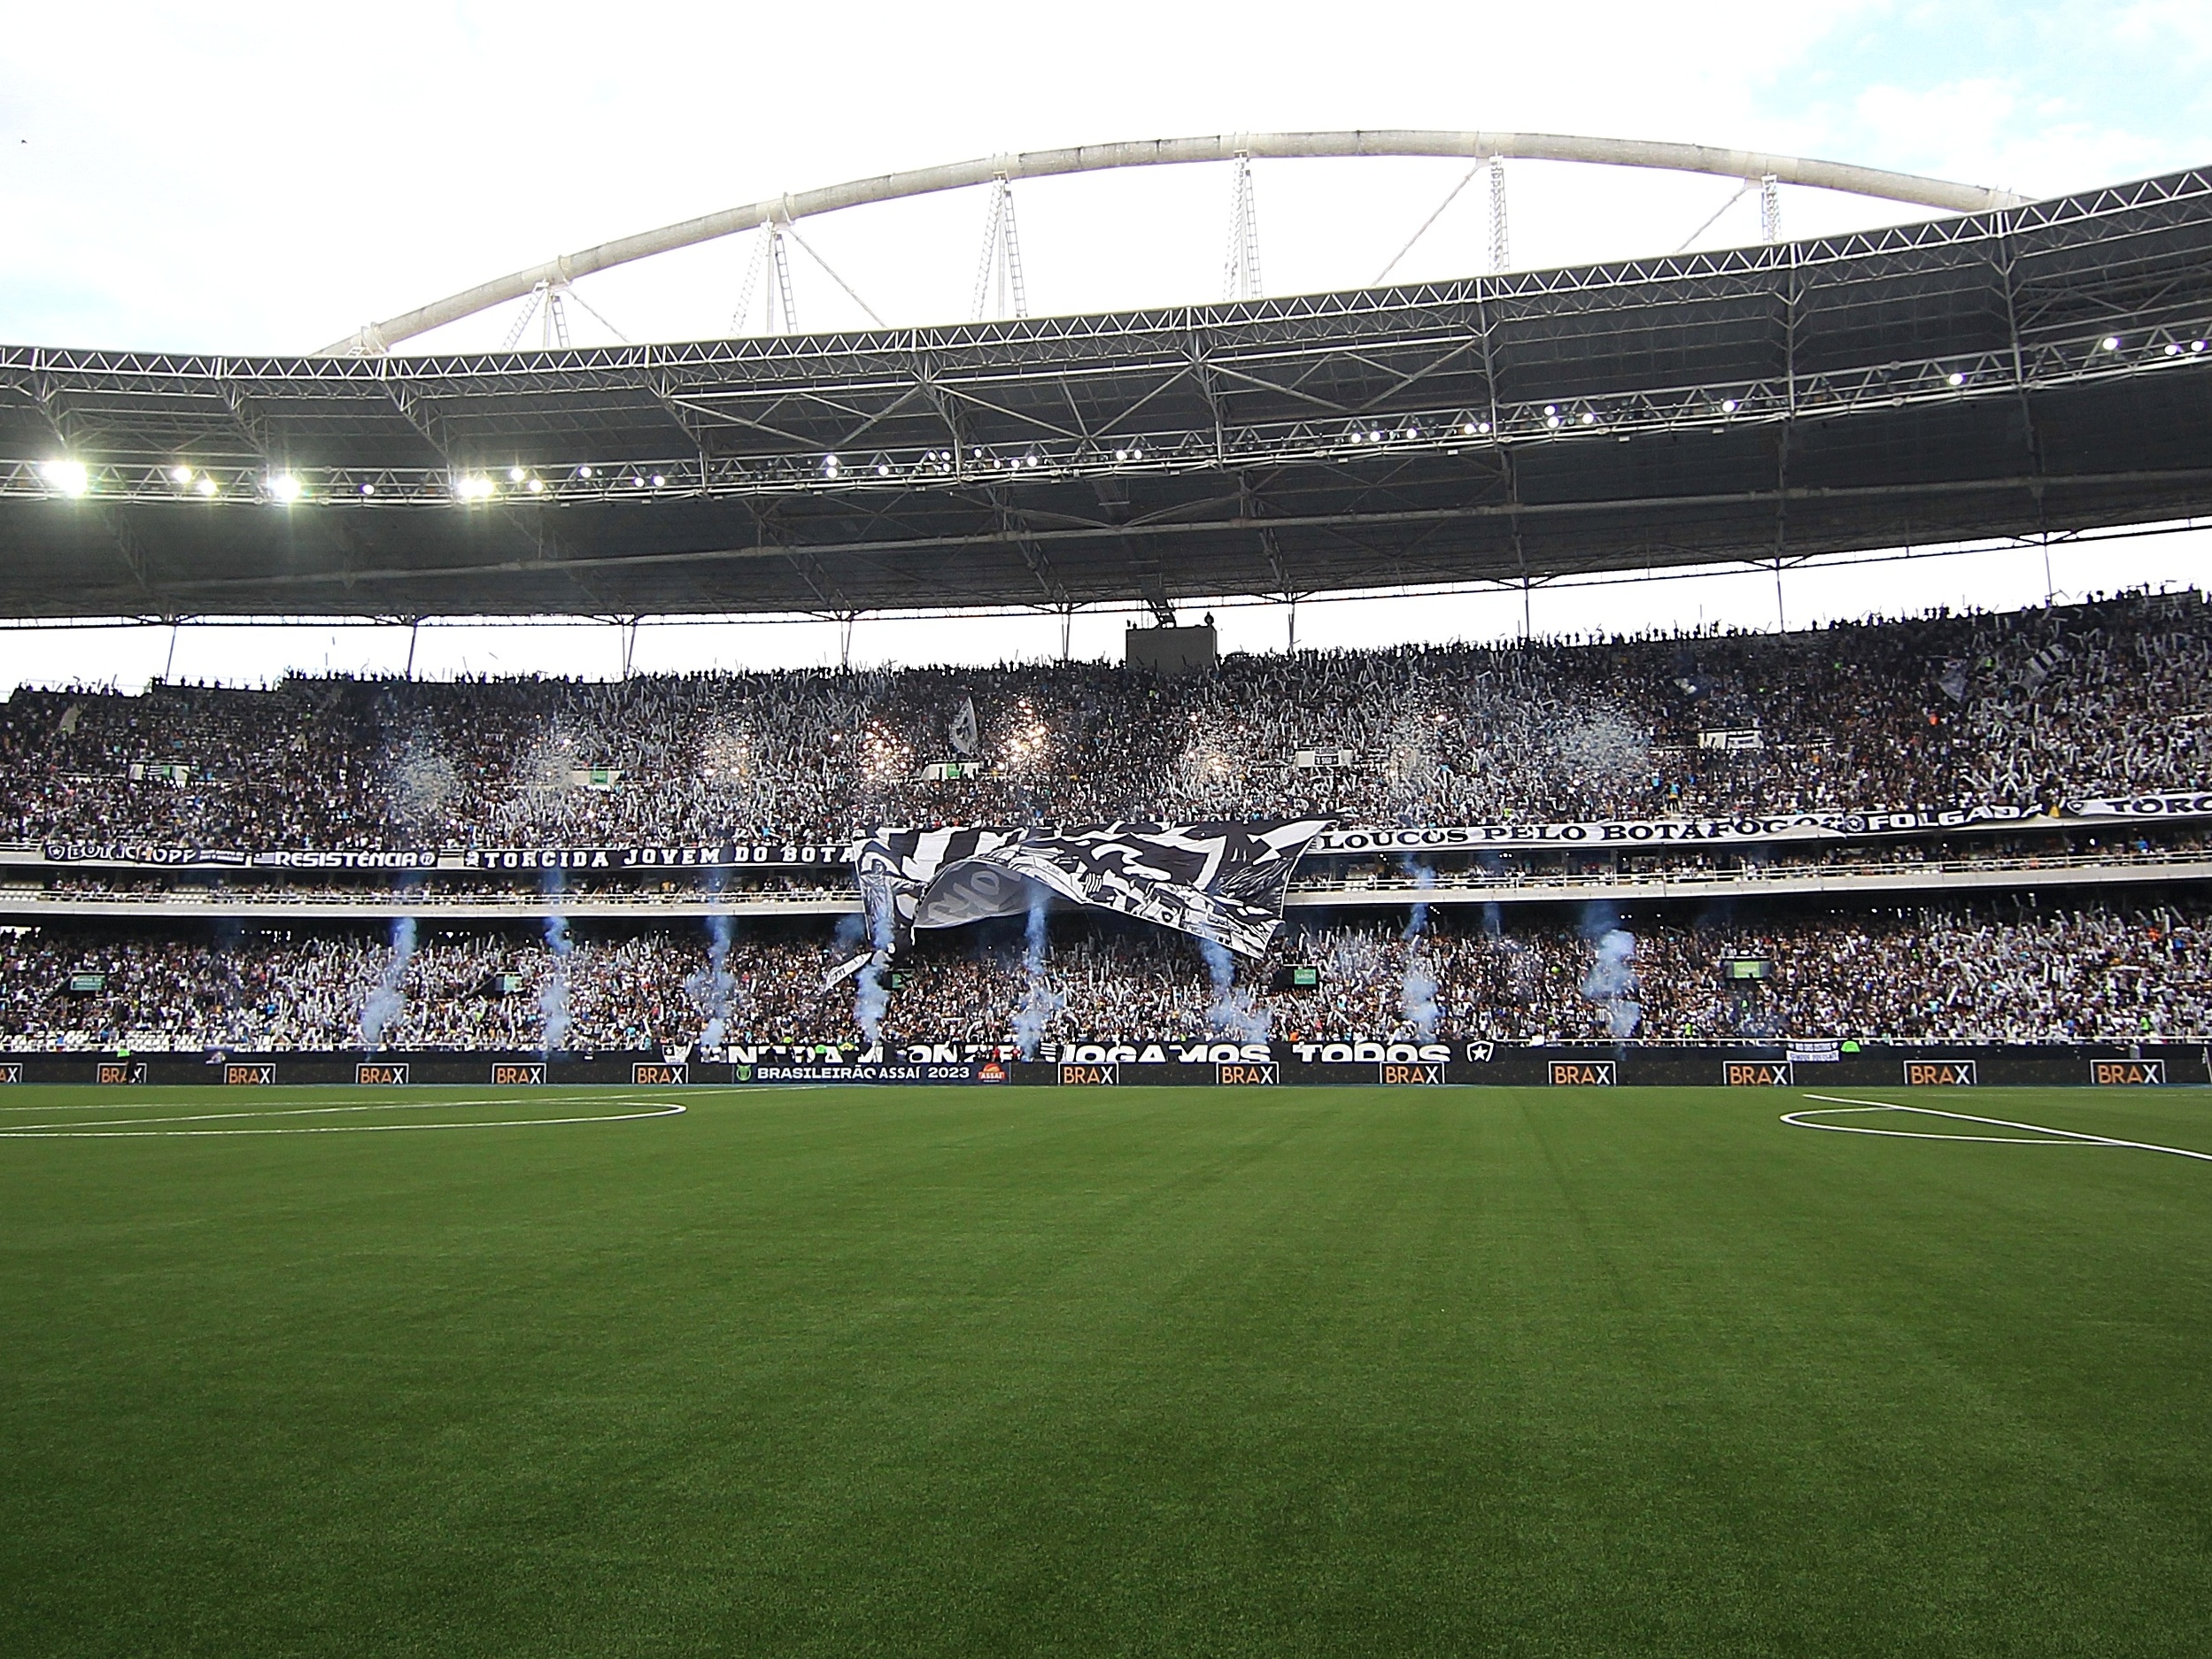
pixel 251 178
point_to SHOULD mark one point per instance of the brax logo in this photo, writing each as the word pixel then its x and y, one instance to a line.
pixel 1599 1073
pixel 657 1072
pixel 1417 1071
pixel 381 1071
pixel 1244 1071
pixel 1938 1074
pixel 2139 1072
pixel 12 1072
pixel 1090 1074
pixel 521 1071
pixel 261 1071
pixel 1739 1074
pixel 122 1071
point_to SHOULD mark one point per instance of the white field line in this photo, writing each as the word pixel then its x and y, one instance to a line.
pixel 125 1128
pixel 2040 1135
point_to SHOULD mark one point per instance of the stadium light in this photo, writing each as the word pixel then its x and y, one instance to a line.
pixel 2111 343
pixel 658 481
pixel 473 487
pixel 515 474
pixel 181 475
pixel 206 486
pixel 368 489
pixel 584 472
pixel 66 476
pixel 1727 406
pixel 1956 378
pixel 2196 345
pixel 283 487
pixel 536 486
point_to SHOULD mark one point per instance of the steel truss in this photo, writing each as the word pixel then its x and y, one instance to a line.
pixel 1875 389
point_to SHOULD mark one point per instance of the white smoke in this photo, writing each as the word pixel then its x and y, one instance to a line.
pixel 1042 1003
pixel 1611 980
pixel 552 996
pixel 386 1002
pixel 1417 993
pixel 711 986
pixel 1231 1012
pixel 871 997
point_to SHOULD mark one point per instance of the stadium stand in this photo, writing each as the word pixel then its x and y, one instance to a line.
pixel 2021 707
pixel 2022 711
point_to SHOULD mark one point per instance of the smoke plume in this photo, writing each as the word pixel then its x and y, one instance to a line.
pixel 1611 980
pixel 1417 994
pixel 1042 1002
pixel 1231 1012
pixel 388 999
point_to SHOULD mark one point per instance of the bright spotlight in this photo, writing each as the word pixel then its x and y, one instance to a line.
pixel 2111 343
pixel 584 472
pixel 536 486
pixel 66 476
pixel 1551 420
pixel 283 487
pixel 206 485
pixel 658 481
pixel 514 475
pixel 472 487
pixel 1727 406
pixel 181 475
pixel 368 489
pixel 1957 379
pixel 1588 420
pixel 1467 430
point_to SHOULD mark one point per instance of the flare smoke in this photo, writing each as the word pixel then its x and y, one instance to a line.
pixel 387 1001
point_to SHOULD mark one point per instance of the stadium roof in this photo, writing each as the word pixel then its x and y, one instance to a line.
pixel 2034 369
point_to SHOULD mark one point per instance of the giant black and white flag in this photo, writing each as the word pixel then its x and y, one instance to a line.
pixel 1219 881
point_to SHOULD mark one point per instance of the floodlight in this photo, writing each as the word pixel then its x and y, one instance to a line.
pixel 1727 406
pixel 1374 437
pixel 637 482
pixel 514 475
pixel 368 489
pixel 2111 343
pixel 2172 349
pixel 536 486
pixel 1957 379
pixel 1136 455
pixel 2196 345
pixel 658 481
pixel 584 472
pixel 1551 420
pixel 66 476
pixel 283 487
pixel 882 471
pixel 181 475
pixel 1551 408
pixel 1467 430
pixel 206 485
pixel 473 487
pixel 1588 420
pixel 1122 455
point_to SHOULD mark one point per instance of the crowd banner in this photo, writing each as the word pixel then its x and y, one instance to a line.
pixel 1081 858
pixel 1219 882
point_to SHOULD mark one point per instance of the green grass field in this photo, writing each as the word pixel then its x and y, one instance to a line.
pixel 1191 1372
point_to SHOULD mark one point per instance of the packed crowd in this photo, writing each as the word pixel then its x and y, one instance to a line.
pixel 2027 707
pixel 2017 975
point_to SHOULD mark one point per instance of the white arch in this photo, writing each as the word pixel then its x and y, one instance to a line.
pixel 1160 152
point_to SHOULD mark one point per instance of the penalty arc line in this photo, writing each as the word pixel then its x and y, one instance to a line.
pixel 2056 1136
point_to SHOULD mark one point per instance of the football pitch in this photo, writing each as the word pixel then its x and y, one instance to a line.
pixel 1163 1371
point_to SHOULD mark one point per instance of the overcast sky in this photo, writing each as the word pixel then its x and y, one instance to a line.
pixel 266 178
